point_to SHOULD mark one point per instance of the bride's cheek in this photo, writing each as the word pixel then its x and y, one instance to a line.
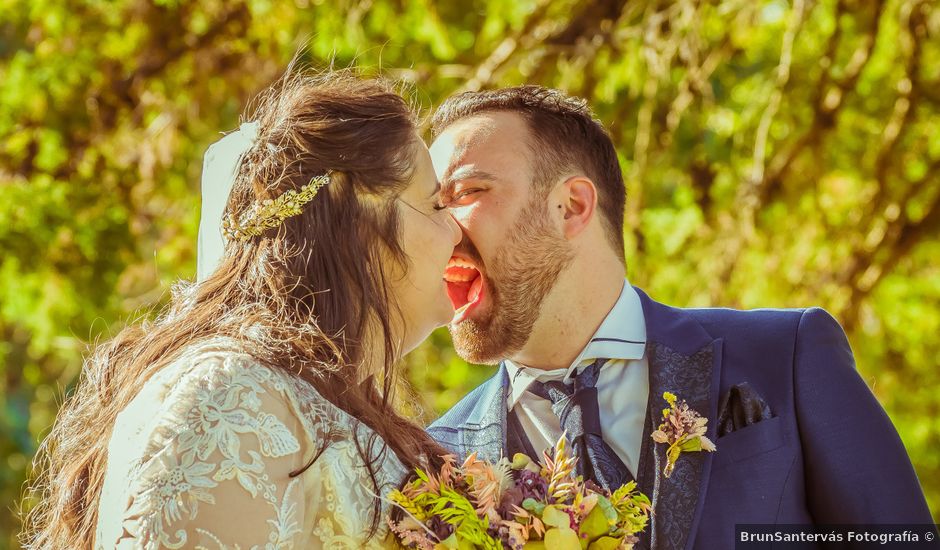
pixel 430 243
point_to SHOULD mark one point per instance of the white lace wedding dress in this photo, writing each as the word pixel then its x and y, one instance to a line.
pixel 201 459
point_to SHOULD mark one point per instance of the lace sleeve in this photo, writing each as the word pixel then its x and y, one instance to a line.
pixel 216 469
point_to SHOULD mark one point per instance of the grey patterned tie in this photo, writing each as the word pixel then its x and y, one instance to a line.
pixel 576 407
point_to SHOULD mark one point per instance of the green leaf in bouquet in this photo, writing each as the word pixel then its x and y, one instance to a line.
pixel 520 461
pixel 632 509
pixel 692 444
pixel 534 545
pixel 455 509
pixel 554 517
pixel 450 543
pixel 533 506
pixel 562 538
pixel 585 502
pixel 605 543
pixel 595 524
pixel 408 505
pixel 454 543
pixel 623 490
pixel 610 513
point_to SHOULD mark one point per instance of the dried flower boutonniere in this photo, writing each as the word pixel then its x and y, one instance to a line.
pixel 683 430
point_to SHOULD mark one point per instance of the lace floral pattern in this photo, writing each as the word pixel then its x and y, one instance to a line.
pixel 202 457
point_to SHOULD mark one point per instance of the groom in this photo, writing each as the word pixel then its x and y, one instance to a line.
pixel 539 286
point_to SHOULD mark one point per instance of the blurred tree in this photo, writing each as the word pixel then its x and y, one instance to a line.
pixel 776 153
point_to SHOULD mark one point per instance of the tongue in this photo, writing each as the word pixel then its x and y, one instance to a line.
pixel 474 293
pixel 457 292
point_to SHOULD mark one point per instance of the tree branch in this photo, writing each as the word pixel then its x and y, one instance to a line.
pixel 487 70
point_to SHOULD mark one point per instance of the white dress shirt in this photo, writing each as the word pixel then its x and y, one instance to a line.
pixel 622 387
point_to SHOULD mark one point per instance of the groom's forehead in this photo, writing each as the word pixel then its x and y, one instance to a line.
pixel 480 139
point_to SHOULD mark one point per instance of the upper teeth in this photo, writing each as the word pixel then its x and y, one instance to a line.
pixel 460 262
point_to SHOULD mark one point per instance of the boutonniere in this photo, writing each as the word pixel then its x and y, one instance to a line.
pixel 683 430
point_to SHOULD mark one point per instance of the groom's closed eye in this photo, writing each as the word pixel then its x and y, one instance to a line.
pixel 460 186
pixel 460 195
pixel 463 193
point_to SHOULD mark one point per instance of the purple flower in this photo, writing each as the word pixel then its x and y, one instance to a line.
pixel 595 488
pixel 511 497
pixel 440 528
pixel 532 485
pixel 504 535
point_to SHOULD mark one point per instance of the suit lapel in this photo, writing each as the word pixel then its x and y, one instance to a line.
pixel 685 360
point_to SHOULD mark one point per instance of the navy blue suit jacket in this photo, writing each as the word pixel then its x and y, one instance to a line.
pixel 828 455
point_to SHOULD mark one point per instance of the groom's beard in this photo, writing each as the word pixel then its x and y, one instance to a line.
pixel 522 273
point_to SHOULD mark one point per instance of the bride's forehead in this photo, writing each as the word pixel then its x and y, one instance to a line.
pixel 423 180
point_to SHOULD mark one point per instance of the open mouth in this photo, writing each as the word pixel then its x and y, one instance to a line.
pixel 464 286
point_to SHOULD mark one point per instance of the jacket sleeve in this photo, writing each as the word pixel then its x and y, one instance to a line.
pixel 857 470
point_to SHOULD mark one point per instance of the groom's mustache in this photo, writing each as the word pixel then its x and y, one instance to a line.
pixel 467 250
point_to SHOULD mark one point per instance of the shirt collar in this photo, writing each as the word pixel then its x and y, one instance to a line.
pixel 622 335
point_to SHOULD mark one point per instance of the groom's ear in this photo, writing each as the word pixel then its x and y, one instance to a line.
pixel 577 202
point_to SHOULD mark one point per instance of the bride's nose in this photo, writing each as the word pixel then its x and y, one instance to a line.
pixel 456 231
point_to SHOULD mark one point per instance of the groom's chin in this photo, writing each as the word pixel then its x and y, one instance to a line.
pixel 476 344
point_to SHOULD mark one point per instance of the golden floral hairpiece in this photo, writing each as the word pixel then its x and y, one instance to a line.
pixel 270 213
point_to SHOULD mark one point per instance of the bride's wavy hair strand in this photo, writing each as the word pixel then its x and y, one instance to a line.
pixel 310 297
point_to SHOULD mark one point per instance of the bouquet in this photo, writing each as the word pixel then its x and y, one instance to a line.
pixel 516 505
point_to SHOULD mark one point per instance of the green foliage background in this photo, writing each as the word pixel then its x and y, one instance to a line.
pixel 777 154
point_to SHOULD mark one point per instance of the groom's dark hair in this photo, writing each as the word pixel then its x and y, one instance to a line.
pixel 564 134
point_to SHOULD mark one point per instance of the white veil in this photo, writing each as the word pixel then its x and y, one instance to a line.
pixel 219 168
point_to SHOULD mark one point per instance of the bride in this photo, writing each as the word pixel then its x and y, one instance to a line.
pixel 256 412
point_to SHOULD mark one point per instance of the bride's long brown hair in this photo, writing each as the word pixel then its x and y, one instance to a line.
pixel 310 297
